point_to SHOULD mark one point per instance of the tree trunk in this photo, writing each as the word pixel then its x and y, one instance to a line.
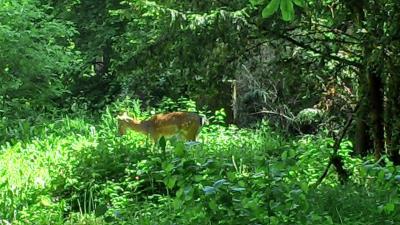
pixel 375 99
pixel 392 123
pixel 362 143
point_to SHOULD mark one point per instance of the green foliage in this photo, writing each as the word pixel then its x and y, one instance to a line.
pixel 36 54
pixel 271 8
pixel 287 10
pixel 286 7
pixel 309 115
pixel 153 49
pixel 182 104
pixel 77 170
pixel 67 165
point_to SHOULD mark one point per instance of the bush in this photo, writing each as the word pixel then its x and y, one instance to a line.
pixel 76 170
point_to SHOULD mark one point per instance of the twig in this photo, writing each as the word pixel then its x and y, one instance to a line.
pixel 272 112
pixel 333 57
pixel 336 146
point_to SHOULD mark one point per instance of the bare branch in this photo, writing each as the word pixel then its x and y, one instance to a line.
pixel 336 146
pixel 307 47
pixel 274 113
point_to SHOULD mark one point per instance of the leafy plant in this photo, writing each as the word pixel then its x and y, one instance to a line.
pixel 286 7
pixel 34 57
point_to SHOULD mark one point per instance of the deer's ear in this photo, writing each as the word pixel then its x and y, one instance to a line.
pixel 124 114
pixel 121 116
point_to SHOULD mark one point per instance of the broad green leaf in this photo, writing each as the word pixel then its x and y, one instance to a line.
pixel 381 175
pixel 45 201
pixel 209 190
pixel 179 192
pixel 188 193
pixel 287 10
pixel 177 203
pixel 162 143
pixel 389 207
pixel 168 167
pixel 238 189
pixel 213 205
pixel 256 2
pixel 231 176
pixel 270 8
pixel 219 183
pixel 304 187
pixel 284 155
pixel 180 149
pixel 100 210
pixel 170 182
pixel 198 178
pixel 299 2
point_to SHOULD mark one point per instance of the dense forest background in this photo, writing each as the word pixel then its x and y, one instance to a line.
pixel 302 96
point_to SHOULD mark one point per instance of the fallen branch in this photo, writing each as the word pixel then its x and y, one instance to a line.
pixel 274 113
pixel 335 159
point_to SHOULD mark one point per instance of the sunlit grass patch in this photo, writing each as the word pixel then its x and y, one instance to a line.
pixel 75 170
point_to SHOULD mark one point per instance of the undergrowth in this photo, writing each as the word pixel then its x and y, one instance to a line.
pixel 75 169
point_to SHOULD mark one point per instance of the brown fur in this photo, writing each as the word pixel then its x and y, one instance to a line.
pixel 187 125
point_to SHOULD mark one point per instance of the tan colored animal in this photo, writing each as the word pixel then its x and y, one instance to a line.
pixel 187 125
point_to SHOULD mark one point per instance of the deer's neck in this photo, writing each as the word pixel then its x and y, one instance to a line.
pixel 140 126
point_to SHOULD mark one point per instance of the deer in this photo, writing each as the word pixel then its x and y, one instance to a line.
pixel 185 125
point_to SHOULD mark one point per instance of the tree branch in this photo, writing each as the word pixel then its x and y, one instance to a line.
pixel 307 47
pixel 274 113
pixel 241 53
pixel 334 157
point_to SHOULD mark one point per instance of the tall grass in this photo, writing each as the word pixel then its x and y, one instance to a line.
pixel 75 169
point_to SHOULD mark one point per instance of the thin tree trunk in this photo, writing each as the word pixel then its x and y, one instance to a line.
pixel 392 123
pixel 362 143
pixel 375 98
